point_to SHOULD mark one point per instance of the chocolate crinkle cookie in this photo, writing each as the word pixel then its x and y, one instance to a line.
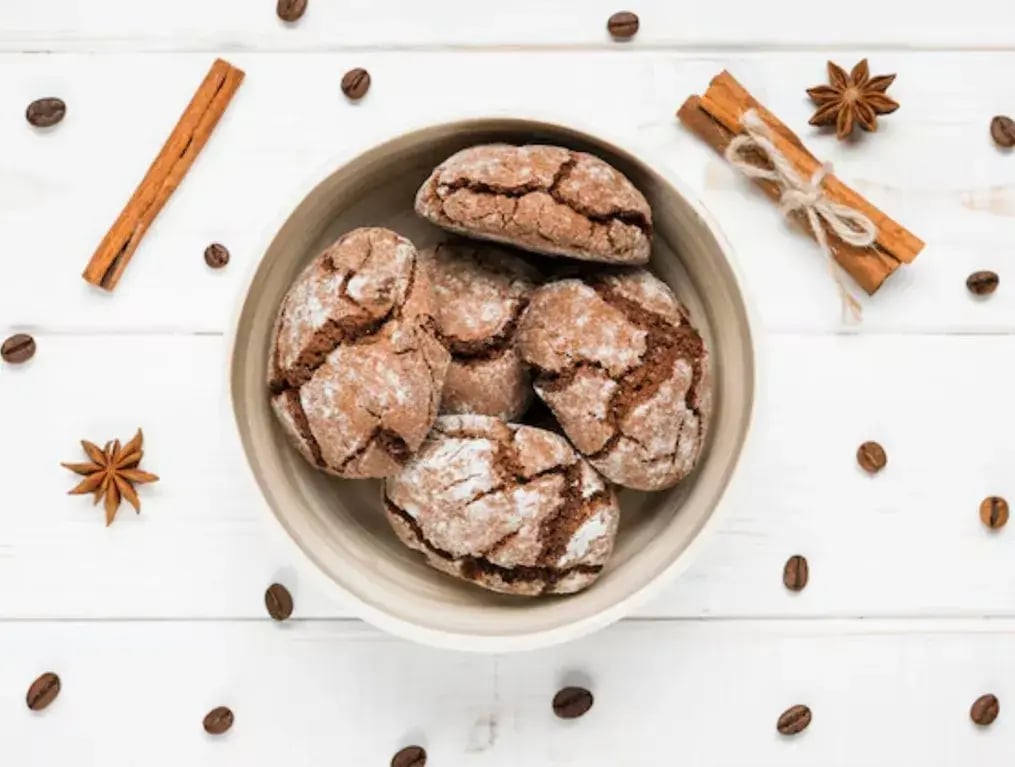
pixel 625 373
pixel 545 199
pixel 480 292
pixel 356 365
pixel 511 508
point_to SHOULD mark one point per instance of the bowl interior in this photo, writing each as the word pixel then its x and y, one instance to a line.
pixel 340 524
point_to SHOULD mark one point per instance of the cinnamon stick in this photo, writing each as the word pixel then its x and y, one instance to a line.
pixel 715 118
pixel 165 174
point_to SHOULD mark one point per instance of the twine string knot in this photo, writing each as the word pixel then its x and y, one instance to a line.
pixel 803 196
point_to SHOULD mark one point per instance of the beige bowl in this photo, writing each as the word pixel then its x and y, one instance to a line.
pixel 340 525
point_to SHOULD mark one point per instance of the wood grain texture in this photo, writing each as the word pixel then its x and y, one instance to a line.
pixel 882 693
pixel 236 25
pixel 290 127
pixel 204 545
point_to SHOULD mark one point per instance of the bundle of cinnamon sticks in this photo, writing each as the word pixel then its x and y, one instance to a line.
pixel 716 118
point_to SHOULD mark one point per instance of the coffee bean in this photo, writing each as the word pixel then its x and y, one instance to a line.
pixel 871 457
pixel 279 601
pixel 43 691
pixel 623 25
pixel 572 702
pixel 985 709
pixel 291 10
pixel 216 255
pixel 410 756
pixel 793 720
pixel 1002 130
pixel 994 511
pixel 356 83
pixel 218 720
pixel 795 573
pixel 982 283
pixel 18 348
pixel 42 113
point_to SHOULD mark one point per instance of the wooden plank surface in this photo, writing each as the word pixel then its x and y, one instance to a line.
pixel 933 169
pixel 909 614
pixel 247 25
pixel 883 693
pixel 899 544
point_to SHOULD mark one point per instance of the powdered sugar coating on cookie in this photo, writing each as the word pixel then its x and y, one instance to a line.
pixel 480 292
pixel 511 508
pixel 624 372
pixel 546 199
pixel 356 367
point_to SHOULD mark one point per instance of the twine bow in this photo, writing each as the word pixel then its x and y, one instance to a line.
pixel 801 195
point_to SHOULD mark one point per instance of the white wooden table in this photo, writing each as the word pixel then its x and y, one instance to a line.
pixel 910 612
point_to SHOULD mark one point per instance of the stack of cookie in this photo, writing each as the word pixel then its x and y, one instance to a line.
pixel 421 367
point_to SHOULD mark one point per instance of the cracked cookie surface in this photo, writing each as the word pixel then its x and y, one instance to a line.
pixel 510 508
pixel 624 371
pixel 480 292
pixel 545 199
pixel 356 367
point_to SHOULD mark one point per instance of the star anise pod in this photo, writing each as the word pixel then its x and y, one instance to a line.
pixel 112 473
pixel 851 99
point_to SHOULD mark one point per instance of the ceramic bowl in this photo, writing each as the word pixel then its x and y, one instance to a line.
pixel 339 524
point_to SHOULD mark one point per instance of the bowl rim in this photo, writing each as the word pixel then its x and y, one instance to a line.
pixel 452 640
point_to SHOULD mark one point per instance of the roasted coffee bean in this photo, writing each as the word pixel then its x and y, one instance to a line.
pixel 985 709
pixel 994 511
pixel 216 255
pixel 410 756
pixel 623 25
pixel 18 348
pixel 43 691
pixel 279 601
pixel 1002 130
pixel 795 573
pixel 982 283
pixel 572 702
pixel 43 113
pixel 356 83
pixel 218 720
pixel 793 720
pixel 291 10
pixel 871 457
